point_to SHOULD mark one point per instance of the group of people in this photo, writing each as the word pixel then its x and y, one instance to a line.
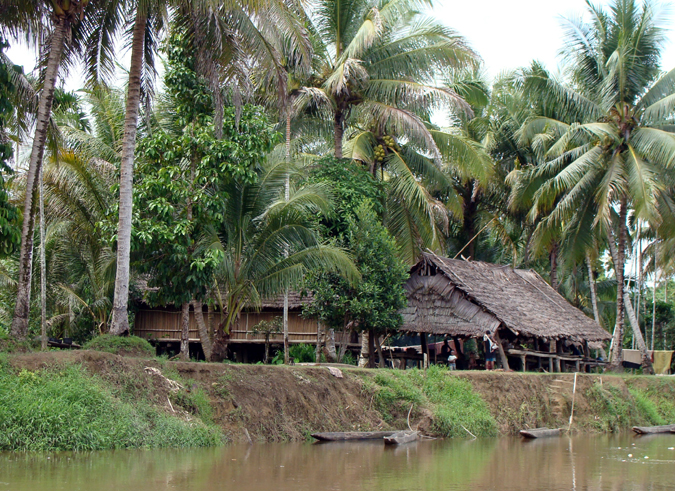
pixel 489 348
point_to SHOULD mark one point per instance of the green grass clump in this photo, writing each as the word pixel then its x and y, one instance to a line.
pixel 612 409
pixel 73 410
pixel 452 401
pixel 121 345
pixel 656 400
pixel 457 406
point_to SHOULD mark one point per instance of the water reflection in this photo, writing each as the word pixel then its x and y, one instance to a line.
pixel 580 463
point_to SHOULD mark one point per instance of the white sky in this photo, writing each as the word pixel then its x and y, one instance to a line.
pixel 510 34
pixel 506 34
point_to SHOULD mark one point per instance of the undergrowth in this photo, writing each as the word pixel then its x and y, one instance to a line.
pixel 121 345
pixel 656 400
pixel 69 409
pixel 612 410
pixel 456 409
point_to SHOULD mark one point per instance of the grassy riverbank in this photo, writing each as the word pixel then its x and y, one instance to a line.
pixel 68 407
pixel 85 400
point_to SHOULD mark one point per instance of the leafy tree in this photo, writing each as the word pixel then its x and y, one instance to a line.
pixel 183 176
pixel 10 232
pixel 370 305
pixel 351 185
pixel 268 328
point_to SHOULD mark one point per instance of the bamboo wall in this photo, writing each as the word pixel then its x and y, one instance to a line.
pixel 163 325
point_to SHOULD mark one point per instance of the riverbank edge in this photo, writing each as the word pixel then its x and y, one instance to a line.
pixel 286 403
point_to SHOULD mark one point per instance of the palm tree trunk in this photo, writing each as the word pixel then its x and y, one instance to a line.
pixel 593 288
pixel 618 256
pixel 185 332
pixel 120 318
pixel 19 327
pixel 553 258
pixel 338 131
pixel 287 186
pixel 623 298
pixel 204 333
pixel 331 354
pixel 43 269
pixel 363 359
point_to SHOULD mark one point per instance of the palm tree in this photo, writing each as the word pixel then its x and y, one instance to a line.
pixel 67 19
pixel 380 59
pixel 78 179
pixel 609 160
pixel 259 225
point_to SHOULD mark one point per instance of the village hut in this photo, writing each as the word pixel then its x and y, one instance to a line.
pixel 161 326
pixel 464 299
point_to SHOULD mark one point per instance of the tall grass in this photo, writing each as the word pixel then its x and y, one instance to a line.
pixel 69 409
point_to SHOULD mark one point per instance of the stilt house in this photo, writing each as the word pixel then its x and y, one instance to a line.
pixel 531 322
pixel 161 326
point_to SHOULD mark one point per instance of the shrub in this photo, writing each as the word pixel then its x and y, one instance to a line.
pixel 121 345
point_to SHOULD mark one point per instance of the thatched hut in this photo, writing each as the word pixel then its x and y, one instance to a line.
pixel 464 299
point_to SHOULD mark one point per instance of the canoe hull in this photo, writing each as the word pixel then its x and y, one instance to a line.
pixel 540 432
pixel 341 436
pixel 649 430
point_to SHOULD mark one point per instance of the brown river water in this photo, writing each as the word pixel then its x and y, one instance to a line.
pixel 622 462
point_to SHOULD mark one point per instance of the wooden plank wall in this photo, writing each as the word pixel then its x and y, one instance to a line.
pixel 164 325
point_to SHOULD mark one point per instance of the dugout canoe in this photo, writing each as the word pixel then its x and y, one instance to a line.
pixel 341 436
pixel 401 437
pixel 649 430
pixel 540 432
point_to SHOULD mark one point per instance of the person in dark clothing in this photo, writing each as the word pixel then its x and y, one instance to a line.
pixel 445 349
pixel 490 350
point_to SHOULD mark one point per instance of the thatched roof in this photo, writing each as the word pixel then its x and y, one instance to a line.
pixel 295 301
pixel 466 298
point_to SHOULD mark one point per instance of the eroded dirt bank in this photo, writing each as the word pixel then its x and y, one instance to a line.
pixel 277 403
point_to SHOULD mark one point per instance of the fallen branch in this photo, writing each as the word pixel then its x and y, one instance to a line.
pixel 474 436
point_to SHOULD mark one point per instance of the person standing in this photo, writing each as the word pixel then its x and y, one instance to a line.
pixel 490 350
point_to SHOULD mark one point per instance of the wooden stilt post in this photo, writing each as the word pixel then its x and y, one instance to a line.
pixel 425 348
pixel 558 351
pixel 502 354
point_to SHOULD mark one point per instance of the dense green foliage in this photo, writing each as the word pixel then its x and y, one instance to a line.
pixel 373 302
pixel 180 195
pixel 69 409
pixel 351 185
pixel 9 216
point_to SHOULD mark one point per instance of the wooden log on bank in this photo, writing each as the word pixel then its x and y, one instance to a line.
pixel 540 432
pixel 648 430
pixel 341 436
pixel 402 437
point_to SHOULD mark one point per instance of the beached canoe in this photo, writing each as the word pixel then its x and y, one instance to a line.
pixel 540 432
pixel 340 436
pixel 648 430
pixel 401 437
